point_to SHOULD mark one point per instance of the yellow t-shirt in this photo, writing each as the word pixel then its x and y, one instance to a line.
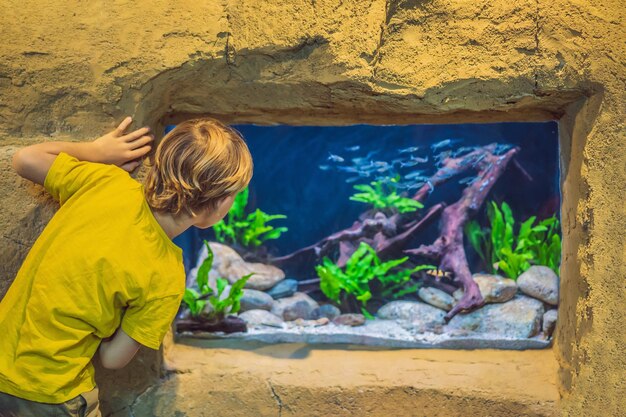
pixel 102 260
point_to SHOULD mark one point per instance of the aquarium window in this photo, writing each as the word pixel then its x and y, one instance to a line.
pixel 393 235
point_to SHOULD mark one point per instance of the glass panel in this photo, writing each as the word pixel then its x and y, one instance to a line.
pixel 493 186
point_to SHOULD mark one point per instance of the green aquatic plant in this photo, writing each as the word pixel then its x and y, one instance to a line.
pixel 502 249
pixel 196 301
pixel 364 266
pixel 383 195
pixel 247 230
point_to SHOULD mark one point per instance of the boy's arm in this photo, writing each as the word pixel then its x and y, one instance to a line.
pixel 143 324
pixel 33 162
pixel 117 351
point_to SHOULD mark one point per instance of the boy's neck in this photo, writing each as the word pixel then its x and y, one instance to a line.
pixel 173 225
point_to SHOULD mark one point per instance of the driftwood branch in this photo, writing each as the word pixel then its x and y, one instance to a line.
pixel 344 241
pixel 230 324
pixel 448 248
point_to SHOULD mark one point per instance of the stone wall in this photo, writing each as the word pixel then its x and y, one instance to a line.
pixel 72 70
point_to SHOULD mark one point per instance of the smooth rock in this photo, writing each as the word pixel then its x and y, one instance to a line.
pixel 493 288
pixel 549 322
pixel 255 300
pixel 298 310
pixel 308 323
pixel 419 328
pixel 326 310
pixel 282 303
pixel 350 319
pixel 285 288
pixel 413 311
pixel 228 264
pixel 261 318
pixel 540 282
pixel 436 297
pixel 518 318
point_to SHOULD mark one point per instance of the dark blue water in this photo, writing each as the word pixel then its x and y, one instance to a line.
pixel 288 179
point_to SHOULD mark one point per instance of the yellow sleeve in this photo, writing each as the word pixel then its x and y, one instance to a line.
pixel 148 323
pixel 67 175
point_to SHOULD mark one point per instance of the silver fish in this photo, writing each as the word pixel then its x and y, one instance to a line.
pixel 324 167
pixel 419 160
pixel 415 186
pixel 463 150
pixel 335 158
pixel 443 143
pixel 414 174
pixel 384 179
pixel 364 159
pixel 348 169
pixel 353 148
pixel 353 179
pixel 367 168
pixel 408 164
pixel 410 149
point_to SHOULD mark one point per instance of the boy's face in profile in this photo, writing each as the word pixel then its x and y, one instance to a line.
pixel 209 217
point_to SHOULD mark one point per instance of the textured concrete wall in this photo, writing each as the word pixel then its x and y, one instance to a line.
pixel 70 70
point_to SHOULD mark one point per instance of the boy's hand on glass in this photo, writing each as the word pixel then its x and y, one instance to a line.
pixel 123 150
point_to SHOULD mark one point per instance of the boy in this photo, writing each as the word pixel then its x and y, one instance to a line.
pixel 104 274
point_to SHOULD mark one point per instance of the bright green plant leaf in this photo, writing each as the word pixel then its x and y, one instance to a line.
pixel 511 253
pixel 249 230
pixel 384 196
pixel 196 301
pixel 364 266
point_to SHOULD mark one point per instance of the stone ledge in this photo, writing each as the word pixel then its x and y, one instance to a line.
pixel 379 332
pixel 226 378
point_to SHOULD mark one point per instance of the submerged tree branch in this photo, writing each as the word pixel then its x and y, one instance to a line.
pixel 448 248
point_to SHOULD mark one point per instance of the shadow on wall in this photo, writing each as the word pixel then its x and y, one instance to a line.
pixel 121 389
pixel 18 241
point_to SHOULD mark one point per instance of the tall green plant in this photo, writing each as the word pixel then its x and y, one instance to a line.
pixel 247 230
pixel 383 195
pixel 196 301
pixel 502 249
pixel 364 266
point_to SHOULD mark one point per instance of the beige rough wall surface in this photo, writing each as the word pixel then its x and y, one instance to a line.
pixel 72 70
pixel 300 380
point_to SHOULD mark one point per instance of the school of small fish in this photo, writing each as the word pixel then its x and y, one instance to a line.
pixel 409 171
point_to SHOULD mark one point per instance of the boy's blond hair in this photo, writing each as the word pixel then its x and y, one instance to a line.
pixel 195 165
